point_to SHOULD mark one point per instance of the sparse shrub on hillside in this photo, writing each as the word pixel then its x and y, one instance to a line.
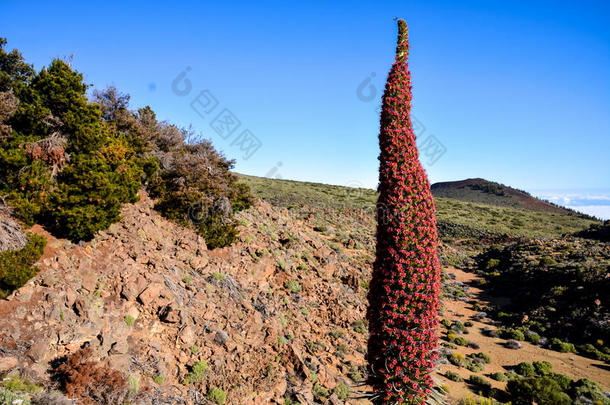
pixel 542 390
pixel 17 267
pixel 217 396
pixel 453 376
pixel 525 369
pixel 511 333
pixel 499 377
pixel 197 372
pixel 542 367
pixel 479 381
pixel 562 347
pixel 404 289
pixel 82 379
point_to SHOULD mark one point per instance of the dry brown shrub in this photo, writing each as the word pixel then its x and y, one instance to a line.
pixel 84 379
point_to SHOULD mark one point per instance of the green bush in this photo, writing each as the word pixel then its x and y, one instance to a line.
pixel 590 390
pixel 485 357
pixel 525 369
pixel 511 333
pixel 562 347
pixel 532 337
pixel 61 164
pixel 342 391
pixel 543 367
pixel 197 372
pixel 499 377
pixel 217 396
pixel 542 390
pixel 460 341
pixel 479 381
pixel 453 376
pixel 17 266
pixel 69 164
pixel 9 398
pixel 292 286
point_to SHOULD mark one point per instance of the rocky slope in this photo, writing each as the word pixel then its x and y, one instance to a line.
pixel 278 315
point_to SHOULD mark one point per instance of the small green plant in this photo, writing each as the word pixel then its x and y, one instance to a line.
pixel 217 396
pixel 9 398
pixel 197 372
pixel 129 320
pixel 133 384
pixel 542 367
pixel 194 349
pixel 479 381
pixel 281 340
pixel 342 391
pixel 319 392
pixel 453 376
pixel 460 341
pixel 499 377
pixel 525 369
pixel 187 279
pixel 562 347
pixel 532 337
pixel 159 379
pixel 359 326
pixel 337 333
pixel 219 277
pixel 511 333
pixel 17 266
pixel 293 286
pixel 17 384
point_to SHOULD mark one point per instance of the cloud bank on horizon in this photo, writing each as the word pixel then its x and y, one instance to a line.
pixel 592 202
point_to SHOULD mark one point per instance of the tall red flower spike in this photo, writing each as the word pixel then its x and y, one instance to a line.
pixel 403 295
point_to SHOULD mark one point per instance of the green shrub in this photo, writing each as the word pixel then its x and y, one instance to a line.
pixel 453 376
pixel 217 396
pixel 293 286
pixel 458 359
pixel 319 392
pixel 485 357
pixel 479 381
pixel 499 377
pixel 588 350
pixel 511 333
pixel 17 266
pixel 542 390
pixel 460 341
pixel 532 337
pixel 562 347
pixel 129 320
pixel 590 390
pixel 542 367
pixel 9 398
pixel 18 384
pixel 197 372
pixel 342 391
pixel 359 326
pixel 525 369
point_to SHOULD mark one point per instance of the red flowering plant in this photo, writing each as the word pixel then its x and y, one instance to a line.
pixel 404 290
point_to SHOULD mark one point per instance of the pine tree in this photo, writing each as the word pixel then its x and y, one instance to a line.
pixel 403 295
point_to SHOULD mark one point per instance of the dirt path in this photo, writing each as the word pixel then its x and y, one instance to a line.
pixel 503 358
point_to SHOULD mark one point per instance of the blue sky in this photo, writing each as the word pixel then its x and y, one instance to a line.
pixel 517 92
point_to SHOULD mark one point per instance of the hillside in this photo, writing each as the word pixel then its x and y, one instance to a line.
pixel 488 192
pixel 457 218
pixel 278 317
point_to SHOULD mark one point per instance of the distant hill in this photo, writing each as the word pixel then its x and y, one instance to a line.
pixel 488 192
pixel 458 216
